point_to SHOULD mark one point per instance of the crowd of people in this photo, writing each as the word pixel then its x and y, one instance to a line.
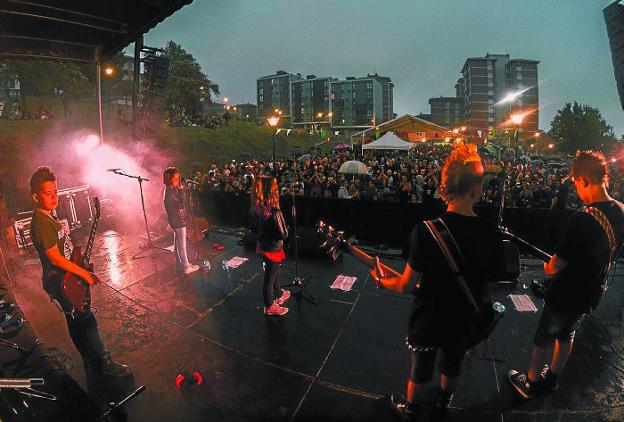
pixel 396 176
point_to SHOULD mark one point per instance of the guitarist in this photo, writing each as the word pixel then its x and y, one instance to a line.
pixel 54 248
pixel 441 314
pixel 579 269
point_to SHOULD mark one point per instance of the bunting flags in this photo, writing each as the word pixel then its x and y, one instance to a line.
pixel 377 133
pixel 288 131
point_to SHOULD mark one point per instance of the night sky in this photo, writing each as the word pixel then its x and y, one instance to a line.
pixel 420 44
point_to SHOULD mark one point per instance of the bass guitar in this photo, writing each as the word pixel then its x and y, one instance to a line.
pixel 75 289
pixel 333 240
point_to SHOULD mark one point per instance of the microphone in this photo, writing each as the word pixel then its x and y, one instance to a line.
pixel 113 170
pixel 188 181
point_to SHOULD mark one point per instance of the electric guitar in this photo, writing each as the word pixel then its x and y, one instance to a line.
pixel 333 240
pixel 76 290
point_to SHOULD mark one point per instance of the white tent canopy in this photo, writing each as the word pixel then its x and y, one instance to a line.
pixel 389 141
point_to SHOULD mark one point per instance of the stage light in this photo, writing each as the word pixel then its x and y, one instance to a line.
pixel 517 118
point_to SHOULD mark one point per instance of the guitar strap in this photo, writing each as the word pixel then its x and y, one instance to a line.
pixel 454 257
pixel 604 222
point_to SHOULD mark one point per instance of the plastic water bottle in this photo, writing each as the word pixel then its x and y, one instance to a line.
pixel 206 264
pixel 499 308
pixel 226 267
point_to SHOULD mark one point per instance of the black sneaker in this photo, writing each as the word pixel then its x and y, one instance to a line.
pixel 443 399
pixel 549 382
pixel 522 385
pixel 442 403
pixel 111 368
pixel 405 410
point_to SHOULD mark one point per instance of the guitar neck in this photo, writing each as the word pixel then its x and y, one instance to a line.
pixel 89 248
pixel 367 260
pixel 533 249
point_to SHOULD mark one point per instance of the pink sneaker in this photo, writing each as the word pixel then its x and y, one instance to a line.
pixel 275 309
pixel 284 297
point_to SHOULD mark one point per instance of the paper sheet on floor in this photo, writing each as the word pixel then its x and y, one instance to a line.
pixel 523 303
pixel 170 248
pixel 343 282
pixel 237 261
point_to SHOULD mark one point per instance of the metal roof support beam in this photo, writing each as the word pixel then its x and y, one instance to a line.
pixel 67 21
pixel 63 10
pixel 23 37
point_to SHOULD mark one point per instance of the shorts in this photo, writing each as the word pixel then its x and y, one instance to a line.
pixel 423 361
pixel 556 325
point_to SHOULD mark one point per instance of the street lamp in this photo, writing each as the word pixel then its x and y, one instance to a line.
pixel 273 121
pixel 109 72
pixel 517 119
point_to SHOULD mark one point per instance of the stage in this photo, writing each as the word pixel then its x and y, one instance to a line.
pixel 335 361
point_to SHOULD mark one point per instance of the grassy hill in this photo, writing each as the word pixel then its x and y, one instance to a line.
pixel 192 144
pixel 24 144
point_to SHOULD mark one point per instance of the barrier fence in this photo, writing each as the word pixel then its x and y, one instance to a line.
pixel 383 222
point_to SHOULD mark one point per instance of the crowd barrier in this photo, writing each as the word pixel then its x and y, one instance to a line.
pixel 383 222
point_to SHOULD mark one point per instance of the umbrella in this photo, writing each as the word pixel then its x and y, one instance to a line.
pixel 342 146
pixel 525 158
pixel 353 167
pixel 304 157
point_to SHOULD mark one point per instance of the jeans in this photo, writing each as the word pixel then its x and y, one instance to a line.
pixel 179 246
pixel 271 289
pixel 83 327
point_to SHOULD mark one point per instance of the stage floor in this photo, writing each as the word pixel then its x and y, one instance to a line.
pixel 334 361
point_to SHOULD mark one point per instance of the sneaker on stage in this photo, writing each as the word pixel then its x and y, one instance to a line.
pixel 549 382
pixel 275 309
pixel 525 388
pixel 284 297
pixel 402 408
pixel 191 269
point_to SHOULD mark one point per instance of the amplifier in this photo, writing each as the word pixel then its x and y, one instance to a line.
pixel 21 228
pixel 74 205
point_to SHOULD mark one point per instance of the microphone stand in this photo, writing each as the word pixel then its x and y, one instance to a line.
pixel 192 200
pixel 114 408
pixel 150 244
pixel 299 282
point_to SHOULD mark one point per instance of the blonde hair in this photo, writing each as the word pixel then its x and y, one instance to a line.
pixel 461 172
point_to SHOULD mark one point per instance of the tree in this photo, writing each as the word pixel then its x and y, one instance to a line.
pixel 188 86
pixel 581 127
pixel 39 77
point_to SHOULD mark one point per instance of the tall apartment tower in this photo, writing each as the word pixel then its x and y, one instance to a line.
pixel 274 92
pixel 310 100
pixel 614 18
pixel 359 102
pixel 387 100
pixel 487 81
pixel 446 111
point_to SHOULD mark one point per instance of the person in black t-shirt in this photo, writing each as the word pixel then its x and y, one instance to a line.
pixel 578 274
pixel 441 314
